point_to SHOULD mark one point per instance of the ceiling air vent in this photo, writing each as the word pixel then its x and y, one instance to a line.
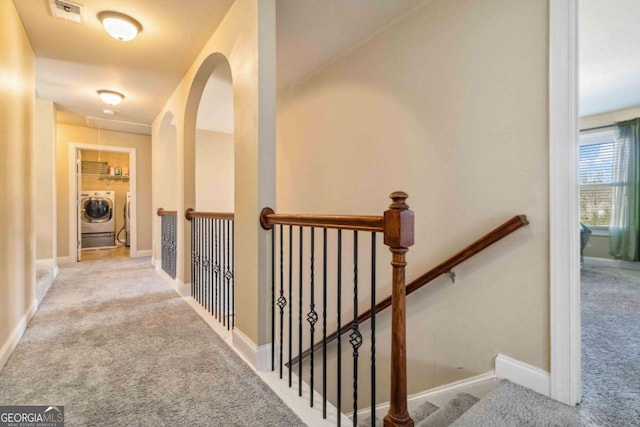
pixel 67 10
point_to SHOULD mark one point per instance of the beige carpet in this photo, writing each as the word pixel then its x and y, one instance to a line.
pixel 117 347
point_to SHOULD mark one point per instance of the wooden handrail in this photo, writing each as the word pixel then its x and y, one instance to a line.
pixel 161 212
pixel 345 222
pixel 190 214
pixel 446 266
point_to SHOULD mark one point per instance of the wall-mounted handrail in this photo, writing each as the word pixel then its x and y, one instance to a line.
pixel 190 213
pixel 446 266
pixel 396 225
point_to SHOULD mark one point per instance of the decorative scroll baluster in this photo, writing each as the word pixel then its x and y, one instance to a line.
pixel 168 221
pixel 233 278
pixel 228 276
pixel 273 299
pixel 355 338
pixel 312 317
pixel 282 301
pixel 212 263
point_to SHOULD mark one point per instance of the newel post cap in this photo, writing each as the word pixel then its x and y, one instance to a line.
pixel 398 222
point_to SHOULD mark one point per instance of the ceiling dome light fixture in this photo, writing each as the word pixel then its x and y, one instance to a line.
pixel 110 97
pixel 119 25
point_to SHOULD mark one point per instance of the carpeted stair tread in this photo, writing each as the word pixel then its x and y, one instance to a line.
pixel 512 405
pixel 449 412
pixel 423 411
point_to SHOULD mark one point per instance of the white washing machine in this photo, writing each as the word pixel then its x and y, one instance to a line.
pixel 97 218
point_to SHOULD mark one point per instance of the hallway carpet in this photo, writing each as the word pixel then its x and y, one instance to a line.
pixel 117 347
pixel 610 347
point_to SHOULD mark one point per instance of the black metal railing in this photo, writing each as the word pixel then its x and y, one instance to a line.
pixel 212 263
pixel 302 295
pixel 168 238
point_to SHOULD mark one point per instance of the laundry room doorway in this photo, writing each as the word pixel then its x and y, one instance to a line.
pixel 102 218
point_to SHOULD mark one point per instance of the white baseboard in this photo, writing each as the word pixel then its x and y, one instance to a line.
pixel 65 260
pixel 153 261
pixel 523 374
pixel 184 289
pixel 258 357
pixel 608 262
pixel 142 253
pixel 11 343
pixel 478 386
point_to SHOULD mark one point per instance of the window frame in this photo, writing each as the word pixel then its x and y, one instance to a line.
pixel 600 135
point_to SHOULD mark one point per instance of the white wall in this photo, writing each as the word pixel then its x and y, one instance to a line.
pixel 214 171
pixel 450 105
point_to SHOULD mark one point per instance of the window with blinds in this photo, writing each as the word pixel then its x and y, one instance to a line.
pixel 596 177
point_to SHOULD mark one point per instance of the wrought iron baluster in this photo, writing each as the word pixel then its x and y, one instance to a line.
pixel 355 338
pixel 193 282
pixel 373 327
pixel 223 274
pixel 312 316
pixel 210 264
pixel 339 338
pixel 216 268
pixel 228 276
pixel 290 298
pixel 300 317
pixel 324 323
pixel 273 298
pixel 282 301
pixel 233 271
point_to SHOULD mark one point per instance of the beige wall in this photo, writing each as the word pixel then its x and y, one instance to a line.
pixel 245 38
pixel 78 134
pixel 45 174
pixel 17 183
pixel 450 105
pixel 214 171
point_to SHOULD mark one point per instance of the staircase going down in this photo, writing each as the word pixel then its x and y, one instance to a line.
pixel 507 405
pixel 429 415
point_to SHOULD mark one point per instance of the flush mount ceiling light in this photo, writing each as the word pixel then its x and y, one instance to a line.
pixel 110 97
pixel 119 25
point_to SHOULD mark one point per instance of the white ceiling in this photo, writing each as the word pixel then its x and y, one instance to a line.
pixel 74 60
pixel 609 55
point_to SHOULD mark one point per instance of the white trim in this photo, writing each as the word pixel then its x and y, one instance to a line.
pixel 13 339
pixel 141 253
pixel 258 357
pixel 522 374
pixel 73 202
pixel 608 262
pixel 183 289
pixel 564 248
pixel 65 260
pixel 153 261
pixel 478 386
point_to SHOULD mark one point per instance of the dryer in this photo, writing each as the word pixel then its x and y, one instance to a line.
pixel 97 218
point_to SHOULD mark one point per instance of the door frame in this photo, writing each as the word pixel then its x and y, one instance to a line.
pixel 564 208
pixel 74 147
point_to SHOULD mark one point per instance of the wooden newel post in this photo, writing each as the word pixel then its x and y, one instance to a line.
pixel 398 235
